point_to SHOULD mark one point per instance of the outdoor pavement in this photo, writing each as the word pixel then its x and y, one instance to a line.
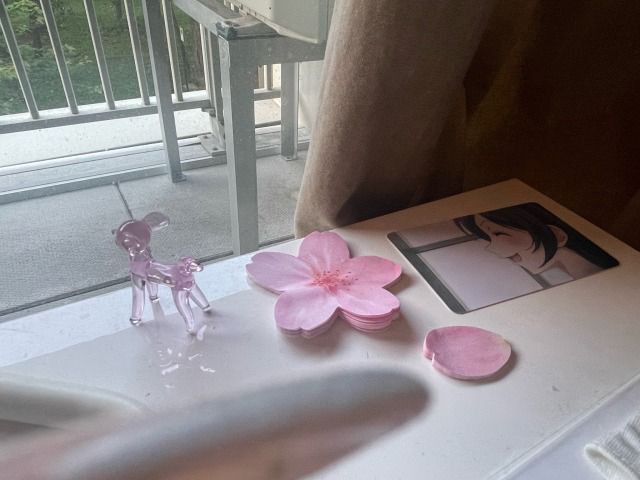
pixel 63 243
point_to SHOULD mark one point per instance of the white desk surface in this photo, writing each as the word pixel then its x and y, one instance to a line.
pixel 575 345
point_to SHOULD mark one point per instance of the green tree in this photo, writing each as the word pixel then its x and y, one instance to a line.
pixel 28 23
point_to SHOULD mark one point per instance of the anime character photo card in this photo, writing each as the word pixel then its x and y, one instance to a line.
pixel 486 258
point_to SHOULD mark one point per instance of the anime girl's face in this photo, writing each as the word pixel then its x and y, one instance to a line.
pixel 513 244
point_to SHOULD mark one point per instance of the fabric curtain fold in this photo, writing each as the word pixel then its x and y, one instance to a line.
pixel 392 72
pixel 424 99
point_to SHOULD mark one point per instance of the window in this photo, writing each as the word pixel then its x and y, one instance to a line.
pixel 107 106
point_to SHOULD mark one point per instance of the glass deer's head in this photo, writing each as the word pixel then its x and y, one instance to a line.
pixel 134 236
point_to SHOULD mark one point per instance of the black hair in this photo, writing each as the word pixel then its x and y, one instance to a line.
pixel 536 220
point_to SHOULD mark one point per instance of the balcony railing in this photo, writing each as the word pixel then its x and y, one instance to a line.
pixel 233 47
pixel 76 113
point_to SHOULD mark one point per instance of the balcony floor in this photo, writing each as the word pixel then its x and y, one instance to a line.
pixel 62 244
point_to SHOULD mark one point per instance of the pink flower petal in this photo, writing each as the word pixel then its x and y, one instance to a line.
pixel 305 309
pixel 466 353
pixel 324 251
pixel 371 270
pixel 279 272
pixel 366 300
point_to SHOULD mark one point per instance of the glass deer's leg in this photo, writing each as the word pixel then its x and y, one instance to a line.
pixel 152 288
pixel 137 305
pixel 198 296
pixel 181 299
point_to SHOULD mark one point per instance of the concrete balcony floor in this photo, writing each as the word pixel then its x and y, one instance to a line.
pixel 60 245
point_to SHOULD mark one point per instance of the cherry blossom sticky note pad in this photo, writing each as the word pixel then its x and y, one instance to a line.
pixel 323 282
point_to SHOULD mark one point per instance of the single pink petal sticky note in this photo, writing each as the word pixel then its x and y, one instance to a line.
pixel 466 353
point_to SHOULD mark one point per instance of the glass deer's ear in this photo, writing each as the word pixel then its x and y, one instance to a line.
pixel 156 220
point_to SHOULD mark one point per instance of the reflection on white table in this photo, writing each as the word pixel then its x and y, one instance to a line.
pixel 574 345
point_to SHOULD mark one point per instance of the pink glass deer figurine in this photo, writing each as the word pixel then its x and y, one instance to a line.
pixel 134 236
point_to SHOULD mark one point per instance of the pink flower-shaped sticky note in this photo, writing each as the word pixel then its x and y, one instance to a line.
pixel 466 353
pixel 323 282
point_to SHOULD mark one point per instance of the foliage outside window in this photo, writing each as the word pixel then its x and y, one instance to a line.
pixel 31 31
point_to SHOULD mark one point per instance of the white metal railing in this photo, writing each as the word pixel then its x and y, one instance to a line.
pixel 96 39
pixel 137 52
pixel 234 46
pixel 75 113
pixel 18 64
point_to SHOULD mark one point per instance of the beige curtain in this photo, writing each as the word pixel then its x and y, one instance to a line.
pixel 422 99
